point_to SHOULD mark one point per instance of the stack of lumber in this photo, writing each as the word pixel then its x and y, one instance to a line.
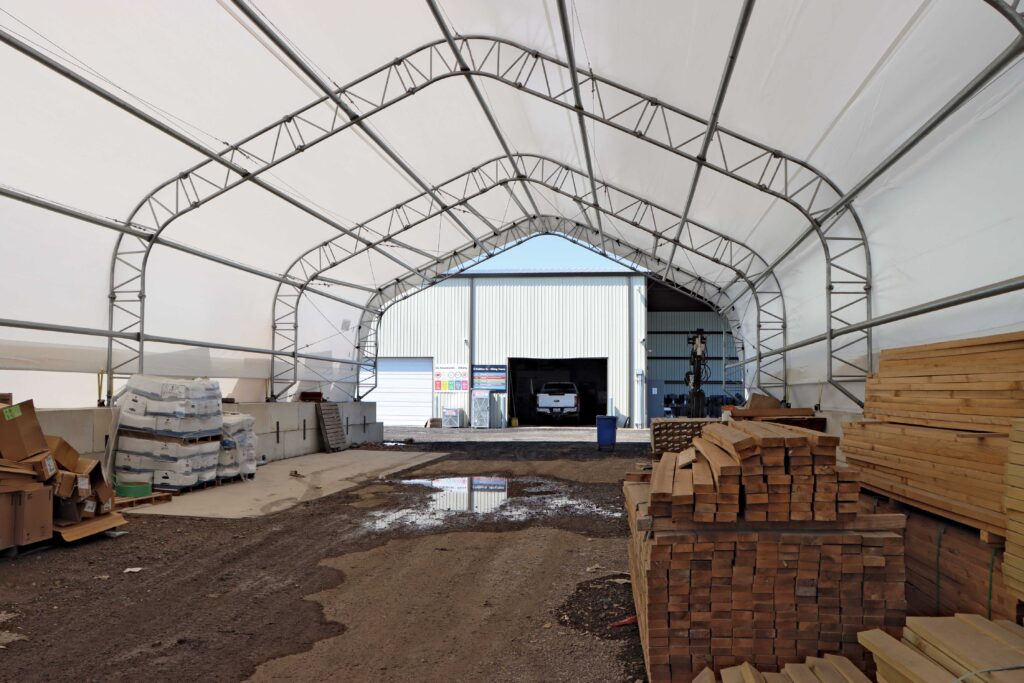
pixel 936 649
pixel 719 594
pixel 949 568
pixel 968 384
pixel 757 471
pixel 828 669
pixel 955 474
pixel 675 434
pixel 1013 567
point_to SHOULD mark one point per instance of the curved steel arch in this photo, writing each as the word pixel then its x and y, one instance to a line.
pixel 582 234
pixel 670 128
pixel 560 178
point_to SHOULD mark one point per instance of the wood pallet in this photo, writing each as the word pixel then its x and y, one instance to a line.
pixel 949 568
pixel 332 430
pixel 155 498
pixel 190 440
pixel 177 491
pixel 720 594
pixel 675 434
pixel 956 474
pixel 963 647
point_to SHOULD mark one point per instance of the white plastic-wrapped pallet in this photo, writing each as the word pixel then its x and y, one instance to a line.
pixel 237 446
pixel 168 432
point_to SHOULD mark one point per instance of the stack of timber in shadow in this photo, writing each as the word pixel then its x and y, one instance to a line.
pixel 717 582
pixel 828 669
pixel 949 568
pixel 969 384
pixel 965 647
pixel 1014 502
pixel 937 433
pixel 956 474
pixel 675 434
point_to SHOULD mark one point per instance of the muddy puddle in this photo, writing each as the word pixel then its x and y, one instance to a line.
pixel 494 498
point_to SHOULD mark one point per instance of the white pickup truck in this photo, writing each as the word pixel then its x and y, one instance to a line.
pixel 559 399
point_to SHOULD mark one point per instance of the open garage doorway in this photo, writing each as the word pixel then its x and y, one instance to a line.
pixel 528 375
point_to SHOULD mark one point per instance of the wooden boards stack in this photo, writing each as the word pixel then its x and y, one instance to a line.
pixel 755 471
pixel 968 384
pixel 949 568
pixel 963 647
pixel 952 473
pixel 1013 567
pixel 828 669
pixel 675 434
pixel 721 594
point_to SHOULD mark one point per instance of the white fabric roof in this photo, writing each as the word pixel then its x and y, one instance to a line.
pixel 837 85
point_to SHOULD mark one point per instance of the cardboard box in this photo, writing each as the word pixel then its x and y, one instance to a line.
pixel 64 453
pixel 20 434
pixel 64 484
pixel 33 516
pixel 6 520
pixel 83 489
pixel 15 477
pixel 87 508
pixel 103 507
pixel 104 491
pixel 43 464
pixel 66 511
pixel 86 468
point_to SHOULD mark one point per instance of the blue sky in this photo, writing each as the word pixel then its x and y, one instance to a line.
pixel 547 253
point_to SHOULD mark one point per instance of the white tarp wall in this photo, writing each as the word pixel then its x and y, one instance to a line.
pixel 838 84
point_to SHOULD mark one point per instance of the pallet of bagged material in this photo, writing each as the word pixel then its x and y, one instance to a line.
pixel 969 384
pixel 957 474
pixel 958 648
pixel 721 594
pixel 949 568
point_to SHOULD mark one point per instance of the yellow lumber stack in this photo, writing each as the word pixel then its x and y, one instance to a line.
pixel 1013 564
pixel 967 384
pixel 937 649
pixel 675 434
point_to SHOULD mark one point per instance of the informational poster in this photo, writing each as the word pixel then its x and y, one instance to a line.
pixel 493 377
pixel 451 377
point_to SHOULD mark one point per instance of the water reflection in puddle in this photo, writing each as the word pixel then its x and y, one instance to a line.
pixel 487 495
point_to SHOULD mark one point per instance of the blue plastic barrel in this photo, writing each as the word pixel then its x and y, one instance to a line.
pixel 606 428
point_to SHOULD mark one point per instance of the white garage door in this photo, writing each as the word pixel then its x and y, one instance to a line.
pixel 404 391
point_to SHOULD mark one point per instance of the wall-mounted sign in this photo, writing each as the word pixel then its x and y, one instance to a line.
pixel 451 377
pixel 493 377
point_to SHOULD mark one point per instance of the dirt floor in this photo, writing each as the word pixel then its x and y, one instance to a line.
pixel 374 584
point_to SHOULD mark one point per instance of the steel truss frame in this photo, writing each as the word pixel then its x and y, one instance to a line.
pixel 622 208
pixel 654 122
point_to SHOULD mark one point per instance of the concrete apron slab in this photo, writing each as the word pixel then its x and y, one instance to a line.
pixel 274 489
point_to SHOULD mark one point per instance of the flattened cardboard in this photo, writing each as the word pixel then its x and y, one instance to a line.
pixel 20 434
pixel 17 485
pixel 44 465
pixel 64 453
pixel 64 484
pixel 90 527
pixel 33 516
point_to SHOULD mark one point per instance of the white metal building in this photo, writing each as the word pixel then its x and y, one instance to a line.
pixel 591 328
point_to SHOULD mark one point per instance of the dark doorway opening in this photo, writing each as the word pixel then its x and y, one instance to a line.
pixel 528 375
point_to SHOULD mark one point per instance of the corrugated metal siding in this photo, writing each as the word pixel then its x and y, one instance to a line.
pixel 557 317
pixel 433 323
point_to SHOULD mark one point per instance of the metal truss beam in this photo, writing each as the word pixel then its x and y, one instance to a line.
pixel 579 233
pixel 130 231
pixel 570 53
pixel 478 94
pixel 624 209
pixel 716 110
pixel 619 107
